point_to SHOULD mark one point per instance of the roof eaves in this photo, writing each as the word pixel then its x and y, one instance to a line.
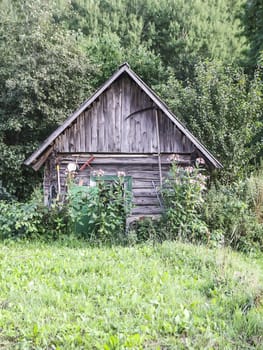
pixel 173 118
pixel 124 68
pixel 49 140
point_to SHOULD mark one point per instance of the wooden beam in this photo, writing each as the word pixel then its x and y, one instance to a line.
pixel 158 145
pixel 39 162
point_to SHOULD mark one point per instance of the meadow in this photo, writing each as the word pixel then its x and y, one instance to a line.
pixel 68 295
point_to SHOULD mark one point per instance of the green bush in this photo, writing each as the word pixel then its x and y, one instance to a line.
pixel 183 199
pixel 95 213
pixel 19 219
pixel 32 219
pixel 230 213
pixel 4 194
pixel 99 213
pixel 144 230
pixel 254 193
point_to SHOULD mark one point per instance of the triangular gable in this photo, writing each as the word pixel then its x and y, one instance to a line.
pixel 45 147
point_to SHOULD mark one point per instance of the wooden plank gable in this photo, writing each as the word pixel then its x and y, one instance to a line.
pixel 119 118
pixel 122 120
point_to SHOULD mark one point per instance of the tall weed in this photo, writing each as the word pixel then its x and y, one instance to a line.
pixel 255 193
pixel 230 212
pixel 183 199
pixel 32 219
pixel 99 213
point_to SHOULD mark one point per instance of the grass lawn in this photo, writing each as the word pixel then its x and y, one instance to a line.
pixel 169 296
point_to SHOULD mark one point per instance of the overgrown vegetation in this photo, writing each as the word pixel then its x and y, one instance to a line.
pixel 202 57
pixel 221 215
pixel 233 214
pixel 205 59
pixel 99 213
pixel 32 219
pixel 218 215
pixel 69 295
pixel 183 200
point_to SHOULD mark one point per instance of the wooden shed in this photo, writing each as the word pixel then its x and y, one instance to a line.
pixel 123 127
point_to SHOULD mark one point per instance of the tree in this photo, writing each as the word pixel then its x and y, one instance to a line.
pixel 178 32
pixel 223 108
pixel 107 52
pixel 253 29
pixel 112 34
pixel 43 76
pixel 185 32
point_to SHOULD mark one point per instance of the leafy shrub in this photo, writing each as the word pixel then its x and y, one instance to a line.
pixel 31 219
pixel 96 213
pixel 4 194
pixel 54 221
pixel 144 230
pixel 19 219
pixel 229 212
pixel 223 215
pixel 99 212
pixel 254 193
pixel 183 199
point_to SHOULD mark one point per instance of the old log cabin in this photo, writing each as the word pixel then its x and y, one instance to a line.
pixel 123 127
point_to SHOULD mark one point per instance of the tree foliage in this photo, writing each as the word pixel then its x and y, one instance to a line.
pixel 253 29
pixel 179 32
pixel 43 76
pixel 53 53
pixel 223 108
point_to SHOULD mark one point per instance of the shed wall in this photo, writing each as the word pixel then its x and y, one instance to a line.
pixel 144 170
pixel 123 120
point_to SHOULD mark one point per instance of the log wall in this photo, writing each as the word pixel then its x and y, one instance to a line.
pixel 144 170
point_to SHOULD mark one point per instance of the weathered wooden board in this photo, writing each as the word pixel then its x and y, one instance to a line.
pixel 122 119
pixel 146 201
pixel 146 210
pixel 166 159
pixel 145 177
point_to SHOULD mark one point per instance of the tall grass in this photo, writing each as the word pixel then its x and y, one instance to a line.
pixel 255 193
pixel 169 296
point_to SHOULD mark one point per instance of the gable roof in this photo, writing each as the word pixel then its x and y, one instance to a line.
pixel 124 68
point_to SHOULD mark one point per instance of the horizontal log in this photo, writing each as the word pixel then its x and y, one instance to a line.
pixel 138 192
pixel 145 210
pixel 120 155
pixel 133 218
pixel 148 178
pixel 125 159
pixel 140 170
pixel 144 185
pixel 146 201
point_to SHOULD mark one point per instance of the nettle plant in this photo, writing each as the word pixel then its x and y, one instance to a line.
pixel 99 212
pixel 183 200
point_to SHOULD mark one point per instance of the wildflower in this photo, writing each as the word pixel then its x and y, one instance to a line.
pixel 99 172
pixel 173 157
pixel 200 161
pixel 189 169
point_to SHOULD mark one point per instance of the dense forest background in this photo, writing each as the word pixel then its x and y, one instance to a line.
pixel 203 57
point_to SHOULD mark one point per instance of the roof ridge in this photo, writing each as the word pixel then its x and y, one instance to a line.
pixel 124 64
